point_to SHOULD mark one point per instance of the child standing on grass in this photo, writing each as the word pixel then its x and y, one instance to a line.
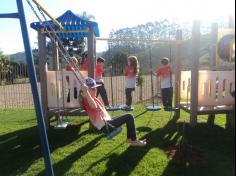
pixel 130 72
pixel 99 116
pixel 165 73
pixel 99 80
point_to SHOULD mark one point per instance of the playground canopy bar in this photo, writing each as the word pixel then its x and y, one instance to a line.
pixel 74 26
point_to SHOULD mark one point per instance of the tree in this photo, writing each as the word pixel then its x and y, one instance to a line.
pixel 86 16
pixel 160 30
pixel 5 66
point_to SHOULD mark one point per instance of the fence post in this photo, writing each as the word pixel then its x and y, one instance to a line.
pixel 194 72
pixel 177 71
pixel 213 61
pixel 91 60
pixel 43 75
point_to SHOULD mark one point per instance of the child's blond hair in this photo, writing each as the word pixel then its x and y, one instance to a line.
pixel 134 63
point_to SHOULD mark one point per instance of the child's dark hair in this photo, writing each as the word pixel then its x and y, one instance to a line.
pixel 84 55
pixel 100 60
pixel 165 61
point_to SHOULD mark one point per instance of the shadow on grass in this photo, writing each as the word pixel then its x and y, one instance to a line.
pixel 216 142
pixel 140 114
pixel 143 129
pixel 211 139
pixel 116 164
pixel 20 148
pixel 64 165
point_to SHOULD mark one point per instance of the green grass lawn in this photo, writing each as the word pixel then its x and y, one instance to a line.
pixel 78 151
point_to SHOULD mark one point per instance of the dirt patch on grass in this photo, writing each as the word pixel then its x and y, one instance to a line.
pixel 187 154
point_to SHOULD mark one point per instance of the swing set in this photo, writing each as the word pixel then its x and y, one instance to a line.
pixel 154 106
pixel 57 30
pixel 20 14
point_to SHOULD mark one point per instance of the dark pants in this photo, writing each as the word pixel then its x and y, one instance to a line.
pixel 118 121
pixel 128 94
pixel 167 96
pixel 102 91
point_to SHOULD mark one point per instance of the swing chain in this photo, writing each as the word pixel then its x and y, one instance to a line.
pixel 56 38
pixel 53 37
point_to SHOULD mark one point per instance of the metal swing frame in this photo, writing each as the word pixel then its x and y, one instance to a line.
pixel 152 107
pixel 33 81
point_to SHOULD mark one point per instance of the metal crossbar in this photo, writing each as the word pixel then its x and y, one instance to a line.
pixel 142 40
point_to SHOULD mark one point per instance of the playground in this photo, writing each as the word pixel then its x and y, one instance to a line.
pixel 53 124
pixel 78 151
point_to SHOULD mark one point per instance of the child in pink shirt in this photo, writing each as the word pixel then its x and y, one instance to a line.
pixel 130 72
pixel 84 64
pixel 165 73
pixel 99 80
pixel 99 116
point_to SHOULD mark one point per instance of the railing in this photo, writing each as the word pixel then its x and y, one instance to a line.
pixel 214 90
pixel 63 90
pixel 214 87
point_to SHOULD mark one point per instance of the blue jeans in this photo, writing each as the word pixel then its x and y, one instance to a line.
pixel 118 121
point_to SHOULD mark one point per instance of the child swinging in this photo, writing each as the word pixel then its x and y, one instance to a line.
pixel 99 117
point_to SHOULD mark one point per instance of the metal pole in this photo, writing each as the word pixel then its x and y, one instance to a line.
pixel 33 81
pixel 153 107
pixel 194 72
pixel 53 19
pixel 177 71
pixel 112 96
pixel 150 62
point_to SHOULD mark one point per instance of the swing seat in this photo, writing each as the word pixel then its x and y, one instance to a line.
pixel 61 125
pixel 114 108
pixel 125 108
pixel 114 133
pixel 171 109
pixel 153 108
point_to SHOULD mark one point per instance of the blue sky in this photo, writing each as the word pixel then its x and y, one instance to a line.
pixel 112 14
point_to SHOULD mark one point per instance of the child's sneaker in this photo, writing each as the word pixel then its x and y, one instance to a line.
pixel 108 107
pixel 130 141
pixel 138 143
